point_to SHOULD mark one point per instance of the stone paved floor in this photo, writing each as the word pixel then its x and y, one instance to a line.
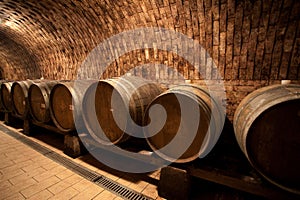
pixel 27 174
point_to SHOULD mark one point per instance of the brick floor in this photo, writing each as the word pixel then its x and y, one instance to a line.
pixel 27 174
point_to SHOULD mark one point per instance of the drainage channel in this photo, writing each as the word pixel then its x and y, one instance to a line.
pixel 104 182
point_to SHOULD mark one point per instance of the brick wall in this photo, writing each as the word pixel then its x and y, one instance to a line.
pixel 16 61
pixel 252 42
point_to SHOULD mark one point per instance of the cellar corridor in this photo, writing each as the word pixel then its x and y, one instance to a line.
pixel 150 99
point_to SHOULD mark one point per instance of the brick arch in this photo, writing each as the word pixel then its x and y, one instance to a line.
pixel 17 63
pixel 252 42
pixel 248 39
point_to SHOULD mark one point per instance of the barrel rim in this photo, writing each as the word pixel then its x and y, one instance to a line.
pixel 52 115
pixel 254 165
pixel 240 133
pixel 260 91
pixel 206 140
pixel 7 86
pixel 24 87
pixel 43 94
pixel 240 137
pixel 216 106
pixel 91 91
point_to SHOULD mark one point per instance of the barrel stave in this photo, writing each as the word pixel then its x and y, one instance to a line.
pixel 267 126
pixel 38 99
pixel 19 97
pixel 208 130
pixel 66 104
pixel 6 96
pixel 108 99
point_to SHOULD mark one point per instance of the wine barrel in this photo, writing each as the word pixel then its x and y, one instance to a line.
pixel 267 129
pixel 124 99
pixel 194 138
pixel 1 104
pixel 5 96
pixel 38 100
pixel 19 95
pixel 66 102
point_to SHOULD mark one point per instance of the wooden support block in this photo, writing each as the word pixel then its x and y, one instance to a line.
pixel 174 183
pixel 72 146
pixel 2 115
pixel 27 127
pixel 8 118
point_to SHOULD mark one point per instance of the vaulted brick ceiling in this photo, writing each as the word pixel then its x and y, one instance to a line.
pixel 247 39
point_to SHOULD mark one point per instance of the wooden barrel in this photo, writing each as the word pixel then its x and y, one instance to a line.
pixel 1 104
pixel 38 100
pixel 189 144
pixel 267 128
pixel 19 95
pixel 123 98
pixel 65 103
pixel 5 96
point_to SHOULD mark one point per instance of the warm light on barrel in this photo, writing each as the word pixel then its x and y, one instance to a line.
pixel 107 103
pixel 267 127
pixel 207 129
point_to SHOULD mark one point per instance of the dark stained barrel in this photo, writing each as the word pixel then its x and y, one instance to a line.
pixel 1 104
pixel 19 95
pixel 66 102
pixel 267 128
pixel 5 96
pixel 124 99
pixel 38 100
pixel 189 144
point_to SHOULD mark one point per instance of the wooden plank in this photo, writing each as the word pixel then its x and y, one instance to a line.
pixel 49 127
pixel 242 183
pixel 149 158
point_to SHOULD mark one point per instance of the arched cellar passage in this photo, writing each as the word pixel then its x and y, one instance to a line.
pixel 17 63
pixel 250 39
pixel 253 42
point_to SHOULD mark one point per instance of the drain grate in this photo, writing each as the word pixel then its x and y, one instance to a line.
pixel 120 190
pixel 84 172
pixel 35 146
pixel 104 182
